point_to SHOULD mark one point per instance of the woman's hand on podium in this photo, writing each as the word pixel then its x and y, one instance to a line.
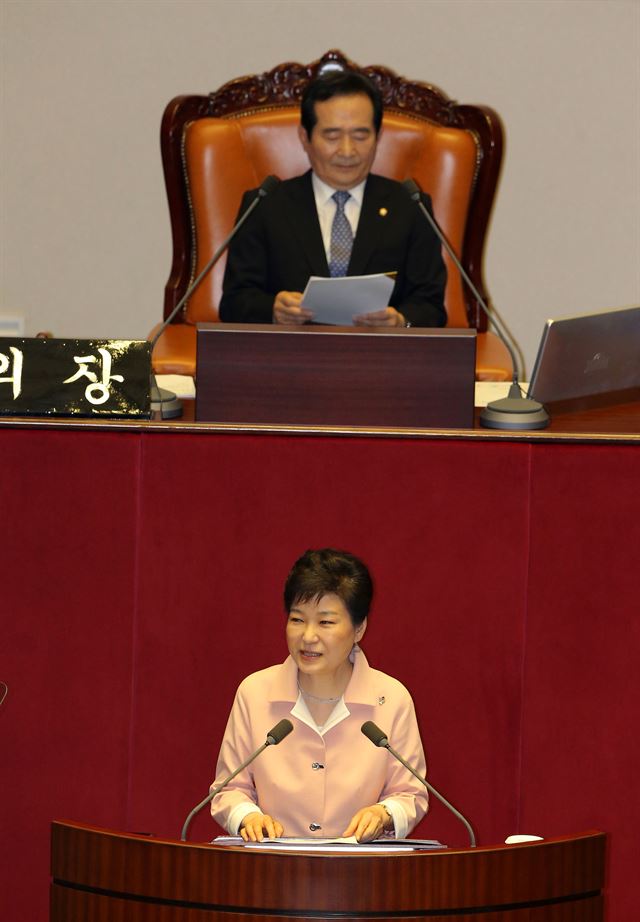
pixel 256 825
pixel 369 823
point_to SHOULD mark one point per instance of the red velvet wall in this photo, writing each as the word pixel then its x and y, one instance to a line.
pixel 142 578
pixel 580 742
pixel 69 512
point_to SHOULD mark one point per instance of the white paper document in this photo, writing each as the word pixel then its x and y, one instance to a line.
pixel 486 391
pixel 338 300
pixel 182 385
pixel 351 844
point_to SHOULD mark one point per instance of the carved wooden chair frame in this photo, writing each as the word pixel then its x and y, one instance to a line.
pixel 282 87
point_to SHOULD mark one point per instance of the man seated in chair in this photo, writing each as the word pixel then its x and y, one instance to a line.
pixel 337 219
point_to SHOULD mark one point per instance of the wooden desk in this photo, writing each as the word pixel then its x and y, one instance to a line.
pixel 599 420
pixel 99 874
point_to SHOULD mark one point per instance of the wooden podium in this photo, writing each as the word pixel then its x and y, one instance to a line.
pixel 102 875
pixel 335 376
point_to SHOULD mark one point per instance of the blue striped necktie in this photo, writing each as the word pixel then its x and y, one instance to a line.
pixel 341 237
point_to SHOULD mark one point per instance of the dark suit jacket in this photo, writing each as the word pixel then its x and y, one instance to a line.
pixel 280 246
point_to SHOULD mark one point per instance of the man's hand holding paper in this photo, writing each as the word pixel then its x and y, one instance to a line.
pixel 361 299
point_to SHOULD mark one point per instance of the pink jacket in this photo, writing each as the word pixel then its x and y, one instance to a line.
pixel 312 783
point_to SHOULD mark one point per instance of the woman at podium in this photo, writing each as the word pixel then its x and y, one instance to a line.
pixel 326 779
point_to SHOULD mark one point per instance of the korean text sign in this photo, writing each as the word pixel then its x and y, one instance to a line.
pixel 74 377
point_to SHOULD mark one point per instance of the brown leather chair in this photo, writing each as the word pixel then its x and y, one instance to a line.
pixel 215 147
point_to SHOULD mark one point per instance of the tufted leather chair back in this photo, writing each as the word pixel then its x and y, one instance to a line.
pixel 225 157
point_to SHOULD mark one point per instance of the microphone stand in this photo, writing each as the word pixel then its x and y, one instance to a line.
pixel 218 788
pixel 430 787
pixel 513 412
pixel 274 736
pixel 164 400
pixel 379 738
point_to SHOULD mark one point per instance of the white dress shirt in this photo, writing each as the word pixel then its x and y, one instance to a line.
pixel 326 208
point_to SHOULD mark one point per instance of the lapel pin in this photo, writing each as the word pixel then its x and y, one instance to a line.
pixel 383 212
pixel 381 700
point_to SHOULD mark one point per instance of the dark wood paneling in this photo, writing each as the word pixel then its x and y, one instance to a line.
pixel 255 373
pixel 509 879
pixel 78 906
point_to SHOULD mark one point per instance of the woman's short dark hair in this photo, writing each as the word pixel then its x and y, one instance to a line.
pixel 318 573
pixel 338 83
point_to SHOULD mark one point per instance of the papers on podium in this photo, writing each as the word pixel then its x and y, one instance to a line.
pixel 338 300
pixel 342 845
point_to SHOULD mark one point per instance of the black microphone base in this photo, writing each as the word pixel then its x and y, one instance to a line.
pixel 514 413
pixel 165 403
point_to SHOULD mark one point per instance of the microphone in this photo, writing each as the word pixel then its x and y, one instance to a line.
pixel 379 738
pixel 515 411
pixel 277 734
pixel 160 396
pixel 274 736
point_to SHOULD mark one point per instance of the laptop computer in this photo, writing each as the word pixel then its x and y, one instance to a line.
pixel 587 355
